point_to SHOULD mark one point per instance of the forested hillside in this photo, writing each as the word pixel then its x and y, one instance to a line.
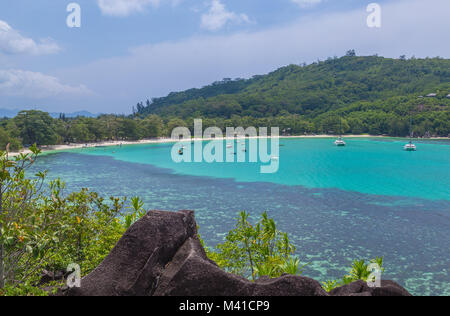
pixel 311 90
pixel 369 93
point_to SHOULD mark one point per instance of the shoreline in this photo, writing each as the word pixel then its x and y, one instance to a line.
pixel 51 148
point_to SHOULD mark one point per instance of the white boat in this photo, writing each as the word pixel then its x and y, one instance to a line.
pixel 410 147
pixel 275 158
pixel 340 142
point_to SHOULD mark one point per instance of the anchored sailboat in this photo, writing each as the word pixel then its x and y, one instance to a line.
pixel 340 142
pixel 410 146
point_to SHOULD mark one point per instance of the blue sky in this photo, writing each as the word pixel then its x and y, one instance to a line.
pixel 130 50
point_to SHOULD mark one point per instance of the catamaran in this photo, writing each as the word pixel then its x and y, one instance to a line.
pixel 340 142
pixel 410 146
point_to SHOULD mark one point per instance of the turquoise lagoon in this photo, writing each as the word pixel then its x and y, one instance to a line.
pixel 368 199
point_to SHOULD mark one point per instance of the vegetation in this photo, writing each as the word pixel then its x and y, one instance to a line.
pixel 256 250
pixel 259 250
pixel 43 228
pixel 371 94
pixel 30 127
pixel 360 270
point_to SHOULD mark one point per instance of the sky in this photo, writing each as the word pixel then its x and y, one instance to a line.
pixel 126 51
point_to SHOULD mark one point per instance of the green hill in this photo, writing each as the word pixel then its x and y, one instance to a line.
pixel 358 89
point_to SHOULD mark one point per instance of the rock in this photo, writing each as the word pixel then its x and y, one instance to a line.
pixel 288 285
pixel 390 288
pixel 135 264
pixel 360 288
pixel 352 288
pixel 161 255
pixel 191 273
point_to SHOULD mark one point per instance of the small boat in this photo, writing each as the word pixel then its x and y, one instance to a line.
pixel 410 147
pixel 229 146
pixel 275 158
pixel 340 142
pixel 180 152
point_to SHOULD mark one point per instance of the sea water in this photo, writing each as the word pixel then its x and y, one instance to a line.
pixel 337 204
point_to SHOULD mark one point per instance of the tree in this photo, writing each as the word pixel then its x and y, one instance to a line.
pixel 27 231
pixel 36 127
pixel 79 133
pixel 6 139
pixel 256 250
pixel 174 123
pixel 350 53
pixel 41 228
pixel 128 129
pixel 152 126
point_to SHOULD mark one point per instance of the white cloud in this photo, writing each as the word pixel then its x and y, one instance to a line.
pixel 126 7
pixel 35 85
pixel 306 3
pixel 12 42
pixel 218 16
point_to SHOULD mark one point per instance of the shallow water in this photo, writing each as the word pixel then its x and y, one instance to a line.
pixel 365 200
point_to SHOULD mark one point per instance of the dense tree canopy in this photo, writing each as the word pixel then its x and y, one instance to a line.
pixel 372 94
pixel 36 127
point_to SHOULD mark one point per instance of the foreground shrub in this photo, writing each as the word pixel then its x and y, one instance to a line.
pixel 360 270
pixel 256 250
pixel 41 227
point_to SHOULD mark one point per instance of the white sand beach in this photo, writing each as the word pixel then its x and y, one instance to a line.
pixel 51 148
